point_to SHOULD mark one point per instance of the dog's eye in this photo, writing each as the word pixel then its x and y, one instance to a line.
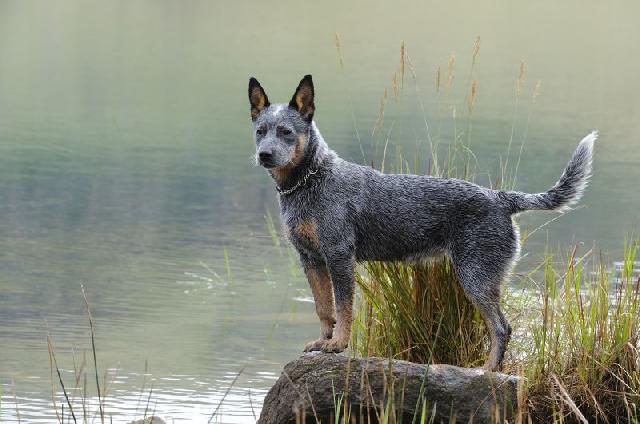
pixel 284 130
pixel 261 131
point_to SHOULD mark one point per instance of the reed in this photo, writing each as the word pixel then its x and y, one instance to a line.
pixel 77 405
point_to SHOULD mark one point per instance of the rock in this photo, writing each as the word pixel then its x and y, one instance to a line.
pixel 149 420
pixel 307 385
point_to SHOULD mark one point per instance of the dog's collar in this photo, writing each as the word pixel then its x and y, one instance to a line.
pixel 302 181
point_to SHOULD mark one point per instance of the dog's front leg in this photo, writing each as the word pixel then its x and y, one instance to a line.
pixel 320 283
pixel 341 263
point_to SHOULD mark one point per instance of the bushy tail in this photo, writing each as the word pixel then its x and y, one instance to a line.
pixel 566 191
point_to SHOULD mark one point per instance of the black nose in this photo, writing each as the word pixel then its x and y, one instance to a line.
pixel 265 156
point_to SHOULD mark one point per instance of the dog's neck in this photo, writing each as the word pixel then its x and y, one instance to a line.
pixel 316 157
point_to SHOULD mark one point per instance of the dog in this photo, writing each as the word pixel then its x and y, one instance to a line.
pixel 337 213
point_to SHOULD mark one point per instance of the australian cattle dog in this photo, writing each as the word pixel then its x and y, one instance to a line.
pixel 337 213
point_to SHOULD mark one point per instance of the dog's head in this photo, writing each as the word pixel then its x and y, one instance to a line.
pixel 281 130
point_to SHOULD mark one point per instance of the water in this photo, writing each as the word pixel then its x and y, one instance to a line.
pixel 125 166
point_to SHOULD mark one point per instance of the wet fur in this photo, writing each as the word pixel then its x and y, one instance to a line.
pixel 346 213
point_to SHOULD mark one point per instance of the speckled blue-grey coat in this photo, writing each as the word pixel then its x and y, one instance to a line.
pixel 337 212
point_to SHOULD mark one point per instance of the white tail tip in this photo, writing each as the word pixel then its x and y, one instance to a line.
pixel 590 138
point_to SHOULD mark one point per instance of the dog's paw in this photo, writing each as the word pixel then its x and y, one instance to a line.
pixel 315 345
pixel 334 346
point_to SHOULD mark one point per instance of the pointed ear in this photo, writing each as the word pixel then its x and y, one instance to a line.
pixel 257 98
pixel 302 99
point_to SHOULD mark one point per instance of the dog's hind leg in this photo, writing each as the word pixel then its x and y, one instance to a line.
pixel 506 325
pixel 481 283
pixel 321 287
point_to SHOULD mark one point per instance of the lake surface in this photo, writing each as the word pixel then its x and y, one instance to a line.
pixel 126 167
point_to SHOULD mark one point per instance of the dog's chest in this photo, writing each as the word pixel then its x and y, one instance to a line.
pixel 303 232
pixel 300 223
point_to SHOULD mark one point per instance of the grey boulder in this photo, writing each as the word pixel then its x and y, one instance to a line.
pixel 312 386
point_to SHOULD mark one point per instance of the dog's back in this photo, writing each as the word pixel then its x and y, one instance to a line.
pixel 397 217
pixel 410 217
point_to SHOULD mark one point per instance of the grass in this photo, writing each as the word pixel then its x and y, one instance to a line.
pixel 576 323
pixel 416 312
pixel 584 345
pixel 575 336
pixel 77 405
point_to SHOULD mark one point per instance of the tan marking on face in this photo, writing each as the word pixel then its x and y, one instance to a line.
pixel 282 172
pixel 308 229
pixel 257 101
pixel 322 289
pixel 298 152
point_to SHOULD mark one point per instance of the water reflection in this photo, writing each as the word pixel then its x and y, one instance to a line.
pixel 125 166
pixel 194 402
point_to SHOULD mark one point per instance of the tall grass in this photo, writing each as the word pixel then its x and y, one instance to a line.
pixel 576 323
pixel 417 312
pixel 584 341
pixel 575 337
